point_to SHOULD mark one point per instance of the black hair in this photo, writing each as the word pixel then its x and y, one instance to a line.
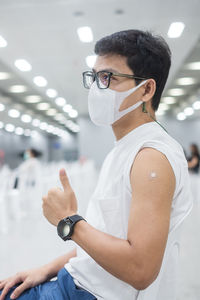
pixel 147 56
pixel 35 152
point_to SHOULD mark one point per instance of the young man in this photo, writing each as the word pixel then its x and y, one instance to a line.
pixel 127 248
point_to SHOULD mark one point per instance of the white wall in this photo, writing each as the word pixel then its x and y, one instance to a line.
pixel 95 141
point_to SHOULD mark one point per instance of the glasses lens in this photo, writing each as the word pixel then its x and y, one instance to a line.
pixel 88 79
pixel 103 79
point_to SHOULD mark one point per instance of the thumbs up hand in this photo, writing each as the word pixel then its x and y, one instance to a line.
pixel 59 203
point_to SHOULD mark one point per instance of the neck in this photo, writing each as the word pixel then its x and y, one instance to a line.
pixel 131 121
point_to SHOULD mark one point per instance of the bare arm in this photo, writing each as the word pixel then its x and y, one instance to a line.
pixel 139 257
pixel 53 267
pixel 33 277
pixel 193 162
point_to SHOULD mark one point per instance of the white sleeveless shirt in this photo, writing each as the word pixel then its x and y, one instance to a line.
pixel 108 211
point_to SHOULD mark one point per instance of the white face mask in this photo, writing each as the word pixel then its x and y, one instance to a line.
pixel 104 104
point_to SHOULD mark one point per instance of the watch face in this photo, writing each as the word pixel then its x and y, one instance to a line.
pixel 66 230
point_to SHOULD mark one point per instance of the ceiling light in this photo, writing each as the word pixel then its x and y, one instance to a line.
pixel 3 42
pixel 193 66
pixel 59 117
pixel 40 81
pixel 160 112
pixel 43 126
pixel 67 108
pixel 13 113
pixel 27 132
pixel 26 118
pixel 85 34
pixel 33 99
pixel 36 122
pixel 90 60
pixel 181 116
pixel 176 29
pixel 169 100
pixel 186 81
pixel 17 89
pixel 1 125
pixel 176 92
pixel 23 65
pixel 2 107
pixel 73 113
pixel 188 111
pixel 43 106
pixel 51 93
pixel 10 127
pixel 50 128
pixel 196 105
pixel 51 112
pixel 163 106
pixel 4 75
pixel 19 131
pixel 60 101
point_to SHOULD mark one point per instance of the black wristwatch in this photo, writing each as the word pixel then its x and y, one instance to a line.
pixel 65 227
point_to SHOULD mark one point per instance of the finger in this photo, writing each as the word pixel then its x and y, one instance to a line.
pixel 64 180
pixel 6 289
pixel 20 289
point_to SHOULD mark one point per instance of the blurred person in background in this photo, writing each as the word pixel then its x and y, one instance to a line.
pixel 194 159
pixel 129 246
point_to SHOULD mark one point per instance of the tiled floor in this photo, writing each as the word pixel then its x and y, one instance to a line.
pixel 33 241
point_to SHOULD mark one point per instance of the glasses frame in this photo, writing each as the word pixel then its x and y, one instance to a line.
pixel 110 74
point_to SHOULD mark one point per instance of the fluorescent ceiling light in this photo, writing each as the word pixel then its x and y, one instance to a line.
pixel 43 106
pixel 19 131
pixel 176 92
pixel 27 132
pixel 163 106
pixel 1 125
pixel 160 112
pixel 196 105
pixel 186 81
pixel 51 112
pixel 13 113
pixel 67 108
pixel 17 89
pixel 73 113
pixel 59 117
pixel 3 42
pixel 10 127
pixel 188 111
pixel 176 29
pixel 169 100
pixel 40 81
pixel 26 118
pixel 33 99
pixel 90 60
pixel 85 34
pixel 2 107
pixel 193 65
pixel 43 126
pixel 60 101
pixel 181 116
pixel 51 93
pixel 36 122
pixel 4 75
pixel 23 65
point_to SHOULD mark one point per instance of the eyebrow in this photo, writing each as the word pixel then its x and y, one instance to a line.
pixel 107 70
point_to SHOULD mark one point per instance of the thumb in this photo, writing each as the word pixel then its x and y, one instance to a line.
pixel 19 290
pixel 64 180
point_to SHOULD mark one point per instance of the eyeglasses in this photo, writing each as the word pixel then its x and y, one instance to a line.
pixel 103 78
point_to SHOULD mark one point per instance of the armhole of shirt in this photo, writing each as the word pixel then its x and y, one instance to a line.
pixel 161 148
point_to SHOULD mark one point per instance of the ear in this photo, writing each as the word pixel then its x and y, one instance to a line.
pixel 149 90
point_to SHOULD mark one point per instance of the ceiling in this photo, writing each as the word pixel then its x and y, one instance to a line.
pixel 45 34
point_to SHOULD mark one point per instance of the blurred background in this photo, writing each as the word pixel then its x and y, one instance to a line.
pixel 44 124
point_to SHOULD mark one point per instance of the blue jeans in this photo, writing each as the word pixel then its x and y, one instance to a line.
pixel 61 289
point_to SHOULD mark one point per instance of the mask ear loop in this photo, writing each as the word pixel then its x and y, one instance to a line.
pixel 146 112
